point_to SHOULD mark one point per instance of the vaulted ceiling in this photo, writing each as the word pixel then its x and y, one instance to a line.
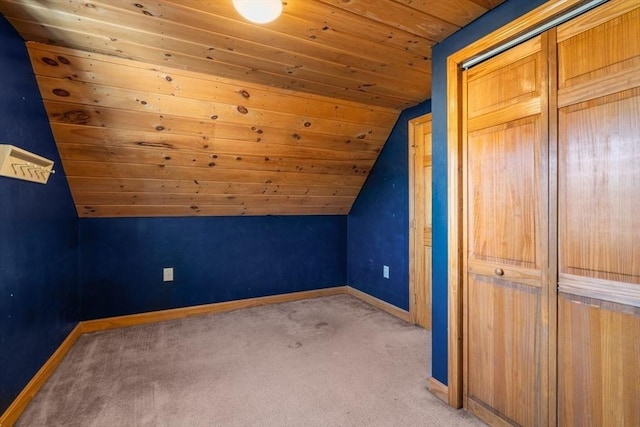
pixel 177 108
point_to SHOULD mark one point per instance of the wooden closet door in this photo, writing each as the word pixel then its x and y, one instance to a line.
pixel 599 217
pixel 505 236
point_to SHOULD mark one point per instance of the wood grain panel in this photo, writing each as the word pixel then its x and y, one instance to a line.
pixel 75 168
pixel 161 157
pixel 604 290
pixel 107 96
pixel 172 199
pixel 489 4
pixel 85 124
pixel 599 183
pixel 323 22
pixel 599 314
pixel 598 348
pixel 158 126
pixel 70 82
pixel 501 167
pixel 156 56
pixel 427 237
pixel 424 313
pixel 151 186
pixel 529 107
pixel 84 67
pixel 187 143
pixel 615 66
pixel 595 17
pixel 296 31
pixel 528 276
pixel 404 18
pixel 204 210
pixel 615 41
pixel 309 48
pixel 311 20
pixel 209 48
pixel 458 13
pixel 502 340
pixel 335 49
pixel 505 80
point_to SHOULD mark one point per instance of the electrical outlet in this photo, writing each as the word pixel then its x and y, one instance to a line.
pixel 167 274
pixel 385 271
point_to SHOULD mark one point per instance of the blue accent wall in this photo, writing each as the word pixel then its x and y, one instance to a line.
pixel 493 20
pixel 214 259
pixel 39 293
pixel 378 230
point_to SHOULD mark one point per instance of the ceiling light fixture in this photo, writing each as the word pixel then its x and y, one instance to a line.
pixel 259 11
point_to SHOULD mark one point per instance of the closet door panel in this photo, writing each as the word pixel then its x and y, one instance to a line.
pixel 508 82
pixel 502 340
pixel 600 188
pixel 598 217
pixel 504 175
pixel 505 192
pixel 598 358
pixel 599 60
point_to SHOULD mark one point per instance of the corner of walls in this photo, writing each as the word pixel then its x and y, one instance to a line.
pixel 496 18
pixel 378 224
pixel 39 301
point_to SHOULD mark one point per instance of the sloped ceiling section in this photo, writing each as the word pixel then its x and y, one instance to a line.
pixel 140 140
pixel 176 108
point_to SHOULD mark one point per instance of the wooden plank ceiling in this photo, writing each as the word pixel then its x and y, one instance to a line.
pixel 181 108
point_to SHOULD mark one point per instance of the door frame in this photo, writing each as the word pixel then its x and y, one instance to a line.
pixel 454 186
pixel 416 250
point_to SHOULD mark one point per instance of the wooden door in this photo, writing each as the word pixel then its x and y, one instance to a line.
pixel 420 219
pixel 505 194
pixel 599 217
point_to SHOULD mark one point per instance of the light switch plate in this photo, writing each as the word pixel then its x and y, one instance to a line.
pixel 167 274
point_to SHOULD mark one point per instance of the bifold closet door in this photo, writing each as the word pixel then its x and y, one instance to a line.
pixel 505 179
pixel 599 217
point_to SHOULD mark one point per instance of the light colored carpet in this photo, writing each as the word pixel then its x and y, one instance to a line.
pixel 333 361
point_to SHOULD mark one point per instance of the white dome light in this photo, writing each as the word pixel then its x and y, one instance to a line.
pixel 259 11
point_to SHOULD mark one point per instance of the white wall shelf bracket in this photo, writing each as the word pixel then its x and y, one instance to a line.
pixel 21 164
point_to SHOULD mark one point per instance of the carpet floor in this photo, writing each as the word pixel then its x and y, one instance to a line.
pixel 331 361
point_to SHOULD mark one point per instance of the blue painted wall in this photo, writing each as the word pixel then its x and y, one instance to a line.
pixel 39 294
pixel 496 18
pixel 214 259
pixel 378 229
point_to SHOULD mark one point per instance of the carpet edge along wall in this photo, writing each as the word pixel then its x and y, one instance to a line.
pixel 39 300
pixel 494 19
